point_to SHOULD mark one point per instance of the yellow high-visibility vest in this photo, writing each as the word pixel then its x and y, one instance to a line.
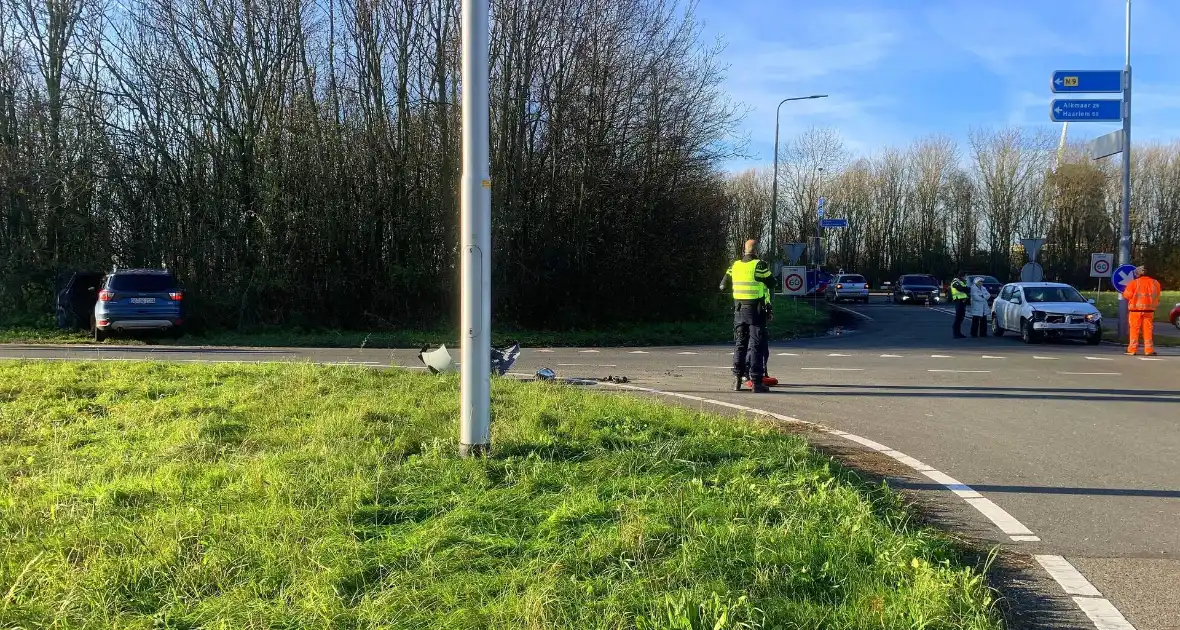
pixel 747 285
pixel 957 293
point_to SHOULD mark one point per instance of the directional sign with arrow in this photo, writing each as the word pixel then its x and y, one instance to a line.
pixel 1086 110
pixel 1122 276
pixel 1087 81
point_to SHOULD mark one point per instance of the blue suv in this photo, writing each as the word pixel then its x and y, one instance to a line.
pixel 138 300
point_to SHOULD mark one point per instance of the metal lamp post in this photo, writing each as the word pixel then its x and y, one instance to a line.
pixel 774 185
pixel 475 218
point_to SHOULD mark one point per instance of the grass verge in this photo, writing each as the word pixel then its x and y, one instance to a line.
pixel 792 320
pixel 144 495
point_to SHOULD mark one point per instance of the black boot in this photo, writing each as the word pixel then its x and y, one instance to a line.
pixel 737 386
pixel 759 387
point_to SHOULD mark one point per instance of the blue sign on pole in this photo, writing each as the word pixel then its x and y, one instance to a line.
pixel 833 223
pixel 819 208
pixel 1086 110
pixel 1121 276
pixel 1087 81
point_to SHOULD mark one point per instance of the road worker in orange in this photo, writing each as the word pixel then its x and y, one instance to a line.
pixel 1143 297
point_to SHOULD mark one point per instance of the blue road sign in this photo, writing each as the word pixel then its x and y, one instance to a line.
pixel 1121 276
pixel 819 208
pixel 1086 110
pixel 1087 81
pixel 833 223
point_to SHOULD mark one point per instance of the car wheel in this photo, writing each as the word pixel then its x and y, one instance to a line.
pixel 1027 334
pixel 997 329
pixel 1176 321
pixel 1094 339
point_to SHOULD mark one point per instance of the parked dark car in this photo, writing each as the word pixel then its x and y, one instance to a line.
pixel 77 291
pixel 138 300
pixel 915 289
pixel 990 283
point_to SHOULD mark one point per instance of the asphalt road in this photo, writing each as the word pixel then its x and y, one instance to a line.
pixel 1080 445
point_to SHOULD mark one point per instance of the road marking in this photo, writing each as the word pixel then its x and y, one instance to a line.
pixel 837 354
pixel 1025 538
pixel 1103 613
pixel 891 356
pixel 545 351
pixel 856 313
pixel 1091 373
pixel 685 353
pixel 639 352
pixel 588 351
pixel 583 365
pixel 1100 358
pixel 940 356
pixel 834 369
pixel 702 367
pixel 988 356
pixel 1067 576
pixel 963 371
pixel 787 354
pixel 1044 358
pixel 1150 359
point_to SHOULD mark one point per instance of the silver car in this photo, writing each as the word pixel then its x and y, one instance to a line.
pixel 1037 310
pixel 847 286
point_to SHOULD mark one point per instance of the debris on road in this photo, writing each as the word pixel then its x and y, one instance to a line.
pixel 614 379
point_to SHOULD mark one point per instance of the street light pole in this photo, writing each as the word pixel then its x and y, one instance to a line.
pixel 475 218
pixel 1125 236
pixel 774 185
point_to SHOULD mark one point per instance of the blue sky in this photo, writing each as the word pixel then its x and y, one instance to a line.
pixel 897 70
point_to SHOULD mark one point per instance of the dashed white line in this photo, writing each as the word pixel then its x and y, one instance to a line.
pixel 1150 359
pixel 962 371
pixel 837 354
pixel 892 356
pixel 1103 613
pixel 1099 359
pixel 1067 576
pixel 584 365
pixel 834 369
pixel 1090 373
pixel 988 356
pixel 1044 358
pixel 546 351
pixel 703 367
pixel 787 354
pixel 588 351
pixel 940 356
pixel 639 352
pixel 686 353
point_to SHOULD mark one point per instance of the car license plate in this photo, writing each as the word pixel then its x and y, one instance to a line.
pixel 143 300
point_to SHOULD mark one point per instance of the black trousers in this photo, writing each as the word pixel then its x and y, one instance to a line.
pixel 960 314
pixel 749 339
pixel 978 326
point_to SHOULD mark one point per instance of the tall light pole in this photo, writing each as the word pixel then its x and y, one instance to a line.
pixel 774 186
pixel 1125 236
pixel 475 233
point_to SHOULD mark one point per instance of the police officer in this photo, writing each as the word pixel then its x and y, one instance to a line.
pixel 752 283
pixel 960 297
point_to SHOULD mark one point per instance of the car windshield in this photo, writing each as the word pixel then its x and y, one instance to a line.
pixel 1052 294
pixel 853 279
pixel 926 280
pixel 142 282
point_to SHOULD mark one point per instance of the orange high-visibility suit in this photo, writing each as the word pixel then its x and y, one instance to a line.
pixel 1143 297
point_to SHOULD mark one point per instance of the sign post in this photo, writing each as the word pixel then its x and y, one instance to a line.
pixel 1106 110
pixel 1100 267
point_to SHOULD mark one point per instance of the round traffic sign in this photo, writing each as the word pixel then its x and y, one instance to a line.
pixel 1031 272
pixel 794 282
pixel 1102 266
pixel 1121 276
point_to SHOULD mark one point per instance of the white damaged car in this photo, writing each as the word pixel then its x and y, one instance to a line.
pixel 1040 310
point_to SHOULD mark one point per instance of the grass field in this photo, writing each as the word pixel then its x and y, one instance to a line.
pixel 291 496
pixel 792 319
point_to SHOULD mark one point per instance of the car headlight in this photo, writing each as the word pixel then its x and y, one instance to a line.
pixel 1093 317
pixel 1038 316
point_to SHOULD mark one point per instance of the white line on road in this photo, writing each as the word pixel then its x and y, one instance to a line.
pixel 685 353
pixel 639 352
pixel 546 351
pixel 588 351
pixel 1044 358
pixel 988 356
pixel 1150 359
pixel 891 356
pixel 940 356
pixel 837 354
pixel 1103 613
pixel 787 354
pixel 963 371
pixel 1067 576
pixel 1090 373
pixel 834 369
pixel 1100 358
pixel 856 313
pixel 703 367
pixel 584 365
pixel 1025 538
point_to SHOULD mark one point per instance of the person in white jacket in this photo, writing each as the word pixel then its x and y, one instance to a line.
pixel 978 310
